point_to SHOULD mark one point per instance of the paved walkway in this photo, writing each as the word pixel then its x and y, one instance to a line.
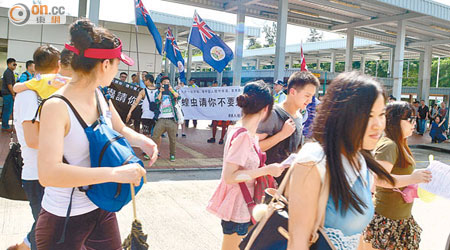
pixel 191 152
pixel 174 217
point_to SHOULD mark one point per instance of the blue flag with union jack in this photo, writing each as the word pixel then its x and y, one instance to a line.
pixel 173 53
pixel 143 18
pixel 215 52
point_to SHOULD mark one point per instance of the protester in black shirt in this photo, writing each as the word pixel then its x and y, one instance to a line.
pixel 8 93
pixel 423 117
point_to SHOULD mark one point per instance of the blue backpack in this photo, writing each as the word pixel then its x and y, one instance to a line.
pixel 107 148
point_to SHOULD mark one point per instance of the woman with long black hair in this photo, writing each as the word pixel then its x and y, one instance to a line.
pixel 393 227
pixel 349 123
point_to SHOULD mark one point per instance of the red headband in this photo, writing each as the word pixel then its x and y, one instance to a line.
pixel 103 53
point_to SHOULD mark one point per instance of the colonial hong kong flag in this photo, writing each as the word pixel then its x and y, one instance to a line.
pixel 173 53
pixel 303 66
pixel 143 18
pixel 215 52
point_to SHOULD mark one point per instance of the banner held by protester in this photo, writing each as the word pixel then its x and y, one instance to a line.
pixel 214 103
pixel 123 95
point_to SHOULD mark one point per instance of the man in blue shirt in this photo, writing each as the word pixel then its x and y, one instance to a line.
pixel 8 93
pixel 29 73
pixel 141 82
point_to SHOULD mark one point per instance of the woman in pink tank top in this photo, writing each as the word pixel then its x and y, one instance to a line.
pixel 240 164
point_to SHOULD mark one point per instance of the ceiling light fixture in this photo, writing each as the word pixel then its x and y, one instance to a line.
pixel 346 4
pixel 440 28
pixel 304 13
pixel 391 33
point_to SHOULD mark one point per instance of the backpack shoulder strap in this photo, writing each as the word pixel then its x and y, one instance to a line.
pixel 281 113
pixel 75 112
pixel 28 75
pixel 244 189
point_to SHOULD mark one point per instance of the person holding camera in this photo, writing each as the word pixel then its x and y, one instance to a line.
pixel 166 98
pixel 147 94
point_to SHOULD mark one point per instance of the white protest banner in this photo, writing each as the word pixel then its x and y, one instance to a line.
pixel 213 103
pixel 440 183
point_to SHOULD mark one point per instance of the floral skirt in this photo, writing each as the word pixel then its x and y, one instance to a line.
pixel 384 233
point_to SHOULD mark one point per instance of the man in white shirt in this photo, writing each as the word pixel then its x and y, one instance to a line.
pixel 25 106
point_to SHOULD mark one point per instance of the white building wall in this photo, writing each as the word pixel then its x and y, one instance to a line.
pixel 23 40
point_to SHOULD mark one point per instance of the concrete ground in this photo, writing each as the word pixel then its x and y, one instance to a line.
pixel 172 209
pixel 172 205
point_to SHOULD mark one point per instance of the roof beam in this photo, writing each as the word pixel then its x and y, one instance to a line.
pixel 342 7
pixel 375 21
pixel 431 42
pixel 234 5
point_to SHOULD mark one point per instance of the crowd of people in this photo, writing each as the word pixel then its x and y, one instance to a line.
pixel 348 141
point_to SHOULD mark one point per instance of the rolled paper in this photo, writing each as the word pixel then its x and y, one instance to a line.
pixel 440 182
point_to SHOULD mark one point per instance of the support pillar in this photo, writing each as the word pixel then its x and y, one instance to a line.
pixel 318 64
pixel 257 63
pixel 426 74
pixel 398 59
pixel 166 66
pixel 291 62
pixel 363 64
pixel 220 78
pixel 239 46
pixel 376 68
pixel 82 6
pixel 391 62
pixel 94 11
pixel 281 40
pixel 189 63
pixel 349 49
pixel 420 77
pixel 333 62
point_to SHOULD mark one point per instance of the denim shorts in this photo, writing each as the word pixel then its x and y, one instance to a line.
pixel 230 227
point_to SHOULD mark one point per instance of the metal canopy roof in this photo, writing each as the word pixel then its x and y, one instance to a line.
pixel 322 50
pixel 184 24
pixel 428 21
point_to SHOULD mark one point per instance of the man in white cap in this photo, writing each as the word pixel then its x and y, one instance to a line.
pixel 279 96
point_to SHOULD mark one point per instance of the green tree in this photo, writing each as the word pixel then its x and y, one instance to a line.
pixel 444 72
pixel 270 34
pixel 314 36
pixel 196 52
pixel 253 44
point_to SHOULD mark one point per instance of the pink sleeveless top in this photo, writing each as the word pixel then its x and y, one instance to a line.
pixel 227 202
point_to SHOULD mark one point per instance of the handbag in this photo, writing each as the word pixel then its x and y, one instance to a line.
pixel 152 105
pixel 408 193
pixel 11 176
pixel 271 232
pixel 179 113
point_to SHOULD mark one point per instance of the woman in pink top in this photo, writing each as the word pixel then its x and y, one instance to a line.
pixel 240 164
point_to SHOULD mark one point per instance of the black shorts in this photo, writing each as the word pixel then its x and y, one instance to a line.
pixel 147 125
pixel 229 227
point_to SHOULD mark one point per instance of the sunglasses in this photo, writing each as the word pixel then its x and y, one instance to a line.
pixel 15 64
pixel 411 119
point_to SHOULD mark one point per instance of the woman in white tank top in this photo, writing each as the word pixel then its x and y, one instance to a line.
pixel 61 135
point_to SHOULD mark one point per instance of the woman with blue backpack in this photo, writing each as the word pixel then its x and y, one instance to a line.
pixel 85 161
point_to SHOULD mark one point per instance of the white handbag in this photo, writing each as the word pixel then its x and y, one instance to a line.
pixel 179 113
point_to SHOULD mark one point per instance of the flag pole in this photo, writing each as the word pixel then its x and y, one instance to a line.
pixel 137 47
